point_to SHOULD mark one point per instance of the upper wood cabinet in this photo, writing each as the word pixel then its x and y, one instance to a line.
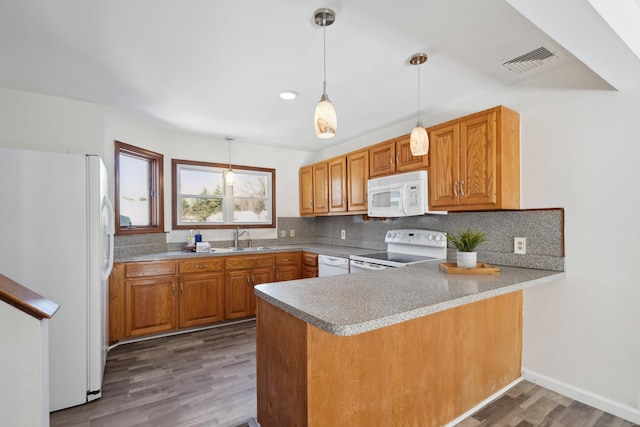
pixel 306 190
pixel 337 168
pixel 357 177
pixel 314 189
pixel 475 162
pixel 394 156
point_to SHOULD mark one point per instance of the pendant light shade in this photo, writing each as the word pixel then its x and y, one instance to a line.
pixel 419 141
pixel 325 118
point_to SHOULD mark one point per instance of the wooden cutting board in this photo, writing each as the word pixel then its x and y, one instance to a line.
pixel 481 268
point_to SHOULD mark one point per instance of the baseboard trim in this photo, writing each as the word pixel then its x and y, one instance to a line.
pixel 604 404
pixel 482 404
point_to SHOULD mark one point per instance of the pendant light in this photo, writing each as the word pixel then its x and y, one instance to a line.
pixel 419 141
pixel 326 121
pixel 229 176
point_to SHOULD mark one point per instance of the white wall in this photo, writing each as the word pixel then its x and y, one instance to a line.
pixel 46 123
pixel 24 368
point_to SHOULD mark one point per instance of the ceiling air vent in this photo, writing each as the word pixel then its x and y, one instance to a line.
pixel 530 60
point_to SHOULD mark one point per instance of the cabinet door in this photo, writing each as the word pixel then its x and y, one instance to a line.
pixel 478 171
pixel 150 305
pixel 443 176
pixel 201 299
pixel 320 188
pixel 338 185
pixel 237 284
pixel 357 177
pixel 258 276
pixel 306 190
pixel 382 159
pixel 287 272
pixel 308 272
pixel 405 161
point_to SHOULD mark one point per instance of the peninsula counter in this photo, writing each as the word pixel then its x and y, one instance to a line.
pixel 410 346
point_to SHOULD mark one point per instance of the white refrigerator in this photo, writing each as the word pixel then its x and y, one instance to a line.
pixel 56 238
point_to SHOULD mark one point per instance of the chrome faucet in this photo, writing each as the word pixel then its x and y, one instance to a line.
pixel 236 234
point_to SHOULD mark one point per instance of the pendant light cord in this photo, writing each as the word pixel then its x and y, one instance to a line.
pixel 418 67
pixel 324 54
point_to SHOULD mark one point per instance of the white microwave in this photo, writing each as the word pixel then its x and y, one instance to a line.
pixel 405 194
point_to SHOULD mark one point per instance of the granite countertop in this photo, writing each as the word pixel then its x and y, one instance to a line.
pixel 331 250
pixel 356 303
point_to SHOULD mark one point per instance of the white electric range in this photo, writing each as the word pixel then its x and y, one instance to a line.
pixel 404 247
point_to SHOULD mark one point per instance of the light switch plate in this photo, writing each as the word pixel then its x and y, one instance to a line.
pixel 292 233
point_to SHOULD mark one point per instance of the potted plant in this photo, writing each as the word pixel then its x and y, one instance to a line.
pixel 466 242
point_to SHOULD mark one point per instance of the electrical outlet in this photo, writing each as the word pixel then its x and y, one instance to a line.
pixel 283 233
pixel 292 233
pixel 343 234
pixel 520 245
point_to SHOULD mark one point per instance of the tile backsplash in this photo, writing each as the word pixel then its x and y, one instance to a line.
pixel 543 228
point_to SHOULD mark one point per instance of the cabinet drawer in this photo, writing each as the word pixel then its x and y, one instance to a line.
pixel 237 262
pixel 288 258
pixel 151 268
pixel 310 259
pixel 201 265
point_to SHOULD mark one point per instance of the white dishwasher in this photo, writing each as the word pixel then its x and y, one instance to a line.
pixel 332 266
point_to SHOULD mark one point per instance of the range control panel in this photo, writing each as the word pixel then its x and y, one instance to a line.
pixel 416 237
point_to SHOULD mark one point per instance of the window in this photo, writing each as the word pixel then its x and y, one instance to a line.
pixel 201 198
pixel 139 190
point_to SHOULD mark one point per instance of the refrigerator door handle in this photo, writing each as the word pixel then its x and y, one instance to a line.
pixel 109 229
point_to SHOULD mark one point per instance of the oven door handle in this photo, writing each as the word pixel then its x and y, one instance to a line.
pixel 369 266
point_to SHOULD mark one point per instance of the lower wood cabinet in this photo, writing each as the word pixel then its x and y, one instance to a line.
pixel 201 299
pixel 242 274
pixel 288 266
pixel 309 265
pixel 151 297
pixel 150 305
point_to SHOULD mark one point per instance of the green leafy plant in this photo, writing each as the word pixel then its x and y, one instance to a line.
pixel 467 240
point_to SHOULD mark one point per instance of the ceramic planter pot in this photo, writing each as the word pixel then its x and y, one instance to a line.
pixel 467 259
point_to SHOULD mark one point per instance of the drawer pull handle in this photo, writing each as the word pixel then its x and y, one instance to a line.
pixel 173 288
pixel 285 259
pixel 202 266
pixel 181 288
pixel 462 188
pixel 455 189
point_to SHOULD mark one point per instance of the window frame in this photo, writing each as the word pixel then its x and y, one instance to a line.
pixel 218 226
pixel 156 187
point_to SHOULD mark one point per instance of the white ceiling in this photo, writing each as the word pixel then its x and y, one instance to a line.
pixel 217 67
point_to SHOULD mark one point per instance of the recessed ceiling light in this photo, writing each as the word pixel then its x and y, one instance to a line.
pixel 288 95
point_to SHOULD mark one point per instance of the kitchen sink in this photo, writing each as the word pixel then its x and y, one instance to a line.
pixel 227 250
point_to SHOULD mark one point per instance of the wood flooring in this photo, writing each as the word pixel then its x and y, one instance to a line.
pixel 208 378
